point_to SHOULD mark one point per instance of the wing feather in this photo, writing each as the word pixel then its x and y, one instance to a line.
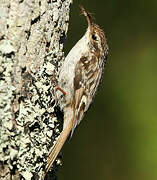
pixel 87 78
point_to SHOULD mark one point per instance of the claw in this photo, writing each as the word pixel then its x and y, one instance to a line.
pixel 56 87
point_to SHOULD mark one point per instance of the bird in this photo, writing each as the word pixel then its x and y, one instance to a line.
pixel 78 81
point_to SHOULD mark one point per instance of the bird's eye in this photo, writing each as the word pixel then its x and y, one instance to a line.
pixel 94 37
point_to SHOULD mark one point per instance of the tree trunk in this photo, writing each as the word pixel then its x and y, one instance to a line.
pixel 32 33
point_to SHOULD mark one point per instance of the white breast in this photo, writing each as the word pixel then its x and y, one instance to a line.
pixel 67 71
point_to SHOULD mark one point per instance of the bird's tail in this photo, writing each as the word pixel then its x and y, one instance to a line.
pixel 57 146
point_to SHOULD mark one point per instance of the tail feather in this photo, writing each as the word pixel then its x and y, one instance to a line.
pixel 57 146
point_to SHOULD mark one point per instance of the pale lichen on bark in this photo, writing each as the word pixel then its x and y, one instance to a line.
pixel 31 48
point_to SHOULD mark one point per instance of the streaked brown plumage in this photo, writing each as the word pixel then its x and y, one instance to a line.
pixel 79 77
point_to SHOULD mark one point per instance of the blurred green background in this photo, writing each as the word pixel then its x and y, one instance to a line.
pixel 117 140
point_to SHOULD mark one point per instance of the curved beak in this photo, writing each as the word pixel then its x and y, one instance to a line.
pixel 88 17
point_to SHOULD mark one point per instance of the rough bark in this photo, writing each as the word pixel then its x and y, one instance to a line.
pixel 32 33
